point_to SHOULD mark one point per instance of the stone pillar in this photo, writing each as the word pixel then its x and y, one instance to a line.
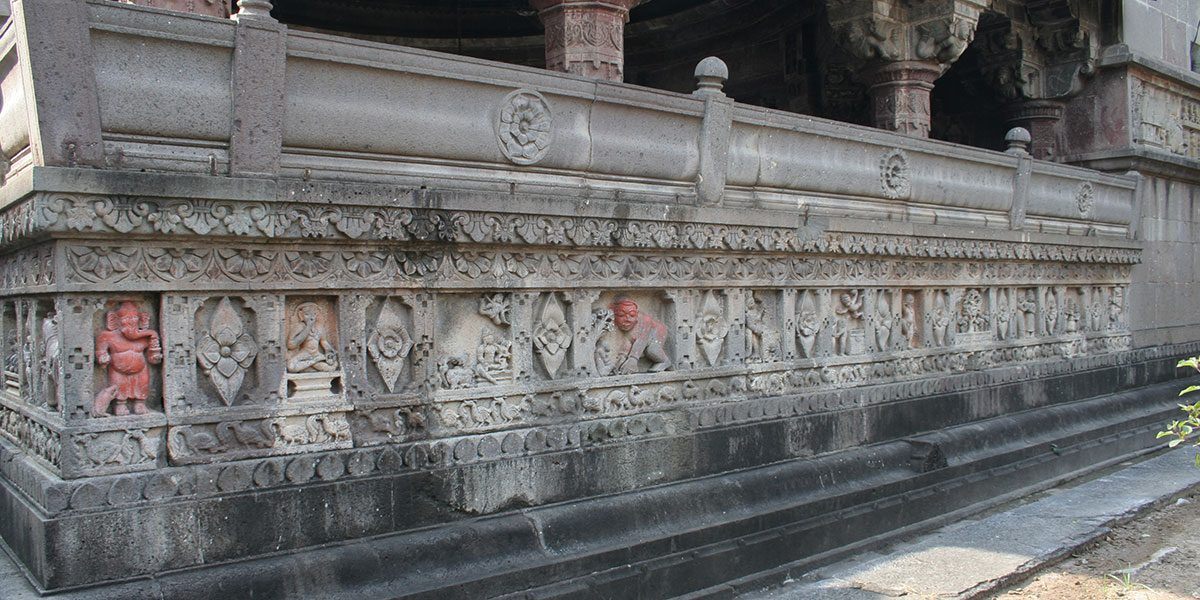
pixel 900 95
pixel 212 8
pixel 1040 118
pixel 585 37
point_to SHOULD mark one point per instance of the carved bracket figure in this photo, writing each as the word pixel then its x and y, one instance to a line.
pixel 127 347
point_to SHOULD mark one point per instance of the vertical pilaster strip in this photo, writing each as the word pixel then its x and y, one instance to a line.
pixel 259 59
pixel 55 51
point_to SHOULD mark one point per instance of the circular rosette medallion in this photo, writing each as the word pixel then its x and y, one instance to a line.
pixel 524 127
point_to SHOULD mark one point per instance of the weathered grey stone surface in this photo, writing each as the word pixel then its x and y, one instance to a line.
pixel 524 331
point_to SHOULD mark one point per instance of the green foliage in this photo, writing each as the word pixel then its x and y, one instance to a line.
pixel 1182 431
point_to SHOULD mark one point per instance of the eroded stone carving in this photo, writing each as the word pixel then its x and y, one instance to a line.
pixel 127 347
pixel 641 337
pixel 1085 197
pixel 226 351
pixel 939 319
pixel 497 307
pixel 1027 307
pixel 711 328
pixel 808 326
pixel 524 127
pixel 493 358
pixel 552 336
pixel 390 344
pixel 893 174
pixel 883 320
pixel 119 448
pixel 848 336
pixel 755 329
pixel 51 359
pixel 908 321
pixel 454 374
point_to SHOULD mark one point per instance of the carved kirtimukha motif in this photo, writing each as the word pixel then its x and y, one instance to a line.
pixel 525 127
pixel 127 347
pixel 711 329
pixel 390 344
pixel 893 174
pixel 226 351
pixel 642 337
pixel 552 337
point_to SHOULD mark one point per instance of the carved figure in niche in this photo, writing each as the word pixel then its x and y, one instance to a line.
pixel 1028 309
pixel 602 355
pixel 1051 314
pixel 1096 312
pixel 493 358
pixel 51 358
pixel 1116 306
pixel 643 338
pixel 1003 318
pixel 971 318
pixel 807 328
pixel 755 321
pixel 127 347
pixel 1071 316
pixel 883 326
pixel 940 320
pixel 850 307
pixel 908 320
pixel 711 330
pixel 552 336
pixel 308 341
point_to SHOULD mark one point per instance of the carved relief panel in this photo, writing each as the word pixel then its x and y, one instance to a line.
pixel 809 322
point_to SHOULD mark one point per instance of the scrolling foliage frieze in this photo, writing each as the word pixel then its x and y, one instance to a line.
pixel 84 214
pixel 106 263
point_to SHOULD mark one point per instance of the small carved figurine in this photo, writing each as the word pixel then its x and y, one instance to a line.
pixel 51 358
pixel 644 337
pixel 1028 309
pixel 127 347
pixel 754 328
pixel 908 321
pixel 308 341
pixel 493 358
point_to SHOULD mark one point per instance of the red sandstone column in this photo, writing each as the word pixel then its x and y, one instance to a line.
pixel 585 37
pixel 900 95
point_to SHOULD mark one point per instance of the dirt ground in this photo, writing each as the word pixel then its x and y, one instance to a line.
pixel 1155 557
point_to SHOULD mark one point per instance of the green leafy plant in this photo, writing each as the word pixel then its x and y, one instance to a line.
pixel 1181 431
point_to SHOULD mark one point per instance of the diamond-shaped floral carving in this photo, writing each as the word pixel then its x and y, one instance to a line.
pixel 226 351
pixel 390 344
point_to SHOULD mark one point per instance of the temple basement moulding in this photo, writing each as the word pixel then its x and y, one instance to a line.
pixel 566 299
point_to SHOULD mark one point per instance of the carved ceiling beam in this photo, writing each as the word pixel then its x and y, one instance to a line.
pixel 585 37
pixel 902 48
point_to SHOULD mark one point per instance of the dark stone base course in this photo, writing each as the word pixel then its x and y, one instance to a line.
pixel 688 537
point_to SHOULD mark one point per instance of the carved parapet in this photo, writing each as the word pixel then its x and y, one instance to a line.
pixel 212 8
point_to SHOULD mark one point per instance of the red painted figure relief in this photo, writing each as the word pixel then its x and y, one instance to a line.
pixel 643 337
pixel 127 347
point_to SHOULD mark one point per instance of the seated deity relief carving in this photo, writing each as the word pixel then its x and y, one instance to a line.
pixel 313 366
pixel 475 344
pixel 126 348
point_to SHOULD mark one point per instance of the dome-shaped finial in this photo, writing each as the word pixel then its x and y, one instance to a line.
pixel 711 74
pixel 1018 139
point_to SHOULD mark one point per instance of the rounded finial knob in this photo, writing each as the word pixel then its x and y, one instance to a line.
pixel 1018 139
pixel 711 74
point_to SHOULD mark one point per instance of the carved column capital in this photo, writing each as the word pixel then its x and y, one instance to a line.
pixel 1041 118
pixel 585 37
pixel 900 94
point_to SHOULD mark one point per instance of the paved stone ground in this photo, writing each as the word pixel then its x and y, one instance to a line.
pixel 976 557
